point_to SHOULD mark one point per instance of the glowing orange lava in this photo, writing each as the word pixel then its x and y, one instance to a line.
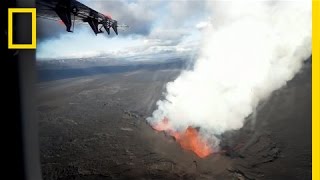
pixel 188 139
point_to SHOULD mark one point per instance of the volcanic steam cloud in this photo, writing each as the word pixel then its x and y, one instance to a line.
pixel 249 49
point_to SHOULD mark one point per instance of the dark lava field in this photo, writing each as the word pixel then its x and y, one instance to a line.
pixel 93 127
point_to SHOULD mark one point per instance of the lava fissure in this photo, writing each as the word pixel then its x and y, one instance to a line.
pixel 189 139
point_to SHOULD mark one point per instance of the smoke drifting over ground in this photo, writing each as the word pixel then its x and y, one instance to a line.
pixel 249 50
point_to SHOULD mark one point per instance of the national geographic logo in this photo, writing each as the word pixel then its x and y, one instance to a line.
pixel 33 44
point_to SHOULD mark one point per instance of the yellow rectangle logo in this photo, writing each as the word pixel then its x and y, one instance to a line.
pixel 33 44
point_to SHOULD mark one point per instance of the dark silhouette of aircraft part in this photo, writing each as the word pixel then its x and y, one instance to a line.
pixel 115 27
pixel 94 23
pixel 65 8
pixel 106 27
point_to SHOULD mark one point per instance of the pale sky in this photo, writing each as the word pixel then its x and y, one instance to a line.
pixel 155 27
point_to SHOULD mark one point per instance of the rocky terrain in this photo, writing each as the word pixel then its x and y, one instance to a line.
pixel 92 126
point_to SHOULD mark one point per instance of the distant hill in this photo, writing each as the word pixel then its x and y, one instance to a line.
pixel 68 68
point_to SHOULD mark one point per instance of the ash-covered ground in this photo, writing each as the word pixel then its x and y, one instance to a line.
pixel 92 126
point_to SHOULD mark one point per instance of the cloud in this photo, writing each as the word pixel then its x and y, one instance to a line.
pixel 253 49
pixel 184 11
pixel 203 25
pixel 154 27
pixel 137 15
pixel 49 28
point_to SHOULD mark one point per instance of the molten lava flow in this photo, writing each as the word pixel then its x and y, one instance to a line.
pixel 189 139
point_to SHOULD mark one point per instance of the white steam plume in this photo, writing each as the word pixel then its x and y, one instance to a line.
pixel 250 49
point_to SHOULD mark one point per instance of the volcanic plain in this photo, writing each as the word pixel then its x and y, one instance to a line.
pixel 92 126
